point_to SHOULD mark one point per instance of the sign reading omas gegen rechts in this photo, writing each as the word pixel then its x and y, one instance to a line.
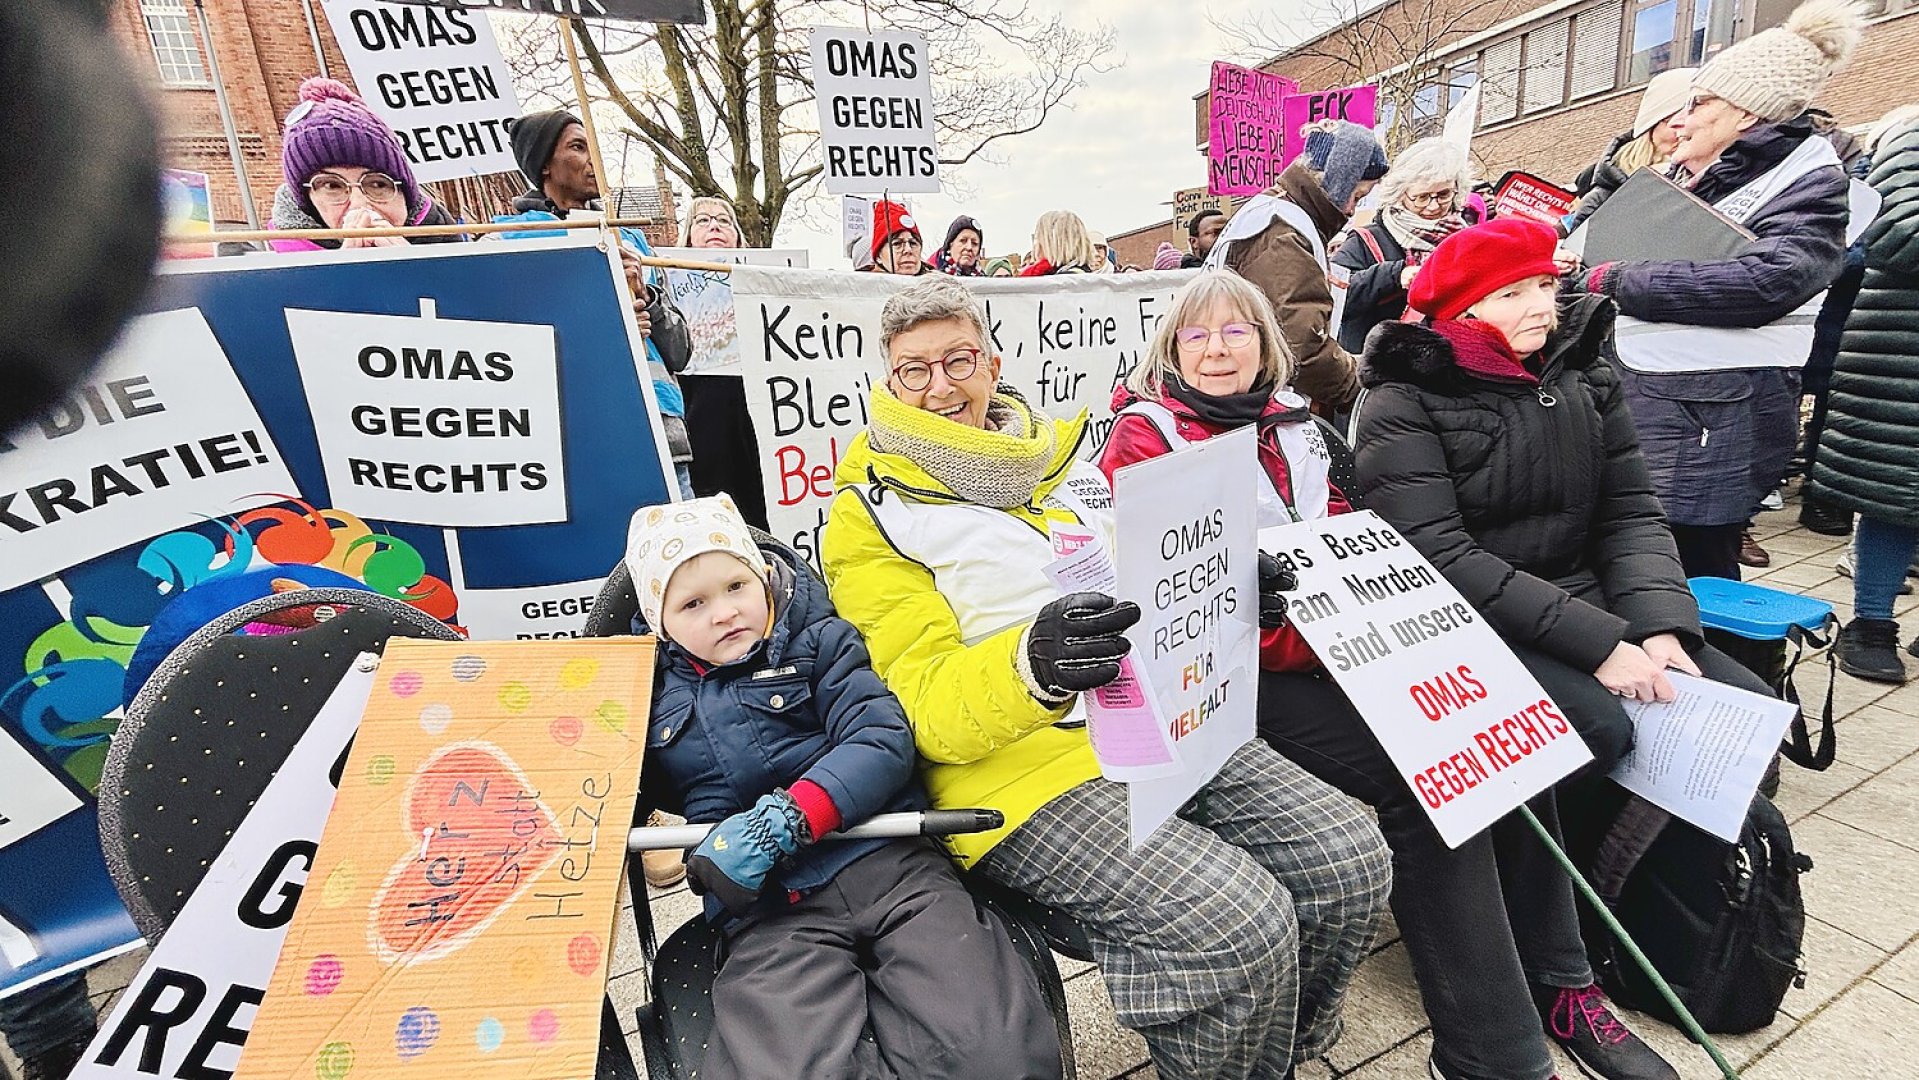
pixel 875 94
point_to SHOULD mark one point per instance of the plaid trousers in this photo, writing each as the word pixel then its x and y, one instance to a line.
pixel 1229 938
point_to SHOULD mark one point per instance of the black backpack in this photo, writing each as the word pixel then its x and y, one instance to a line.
pixel 1723 923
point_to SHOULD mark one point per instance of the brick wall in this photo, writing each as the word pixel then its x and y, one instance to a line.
pixel 1136 248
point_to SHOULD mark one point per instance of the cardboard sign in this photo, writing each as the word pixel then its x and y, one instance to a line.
pixel 1243 121
pixel 652 11
pixel 811 353
pixel 470 871
pixel 1357 104
pixel 1525 195
pixel 705 299
pixel 437 78
pixel 875 95
pixel 1187 532
pixel 1470 729
pixel 160 435
pixel 1189 203
pixel 186 1014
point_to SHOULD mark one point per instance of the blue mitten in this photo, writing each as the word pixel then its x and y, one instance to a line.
pixel 734 860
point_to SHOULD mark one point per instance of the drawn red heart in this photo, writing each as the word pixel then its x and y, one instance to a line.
pixel 481 838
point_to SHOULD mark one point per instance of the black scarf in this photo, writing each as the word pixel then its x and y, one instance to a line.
pixel 1223 411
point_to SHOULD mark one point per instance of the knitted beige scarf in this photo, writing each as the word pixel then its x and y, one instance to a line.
pixel 999 465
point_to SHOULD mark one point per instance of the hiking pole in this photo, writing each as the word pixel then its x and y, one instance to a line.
pixel 1586 890
pixel 880 826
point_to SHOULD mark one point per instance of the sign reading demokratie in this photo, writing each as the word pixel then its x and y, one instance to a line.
pixel 437 78
pixel 875 94
pixel 1469 728
pixel 654 11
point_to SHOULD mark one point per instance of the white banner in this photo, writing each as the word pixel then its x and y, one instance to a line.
pixel 1187 534
pixel 436 76
pixel 161 435
pixel 187 1013
pixel 435 421
pixel 875 94
pixel 809 343
pixel 1472 732
pixel 33 797
pixel 705 298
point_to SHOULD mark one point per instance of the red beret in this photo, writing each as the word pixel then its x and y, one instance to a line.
pixel 1471 264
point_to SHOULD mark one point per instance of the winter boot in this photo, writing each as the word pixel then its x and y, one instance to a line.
pixel 1583 1026
pixel 1869 649
pixel 1824 518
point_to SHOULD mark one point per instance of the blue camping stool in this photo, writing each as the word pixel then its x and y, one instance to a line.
pixel 1757 626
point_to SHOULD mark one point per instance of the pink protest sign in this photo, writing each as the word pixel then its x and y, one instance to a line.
pixel 1359 104
pixel 1243 118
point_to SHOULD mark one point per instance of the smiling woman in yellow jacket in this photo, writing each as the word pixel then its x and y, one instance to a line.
pixel 1228 937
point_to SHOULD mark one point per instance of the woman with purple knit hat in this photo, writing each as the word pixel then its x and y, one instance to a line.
pixel 344 169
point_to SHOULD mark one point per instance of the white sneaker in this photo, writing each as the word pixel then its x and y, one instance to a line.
pixel 1774 501
pixel 1844 566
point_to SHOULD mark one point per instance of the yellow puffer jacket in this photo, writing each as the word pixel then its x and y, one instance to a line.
pixel 894 536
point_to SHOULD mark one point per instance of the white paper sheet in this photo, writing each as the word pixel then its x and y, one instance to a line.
pixel 1700 757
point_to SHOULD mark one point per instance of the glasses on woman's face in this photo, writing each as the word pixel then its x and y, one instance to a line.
pixel 904 242
pixel 917 375
pixel 712 221
pixel 1699 102
pixel 1236 335
pixel 332 189
pixel 1430 199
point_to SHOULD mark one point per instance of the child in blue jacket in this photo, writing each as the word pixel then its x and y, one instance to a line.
pixel 768 719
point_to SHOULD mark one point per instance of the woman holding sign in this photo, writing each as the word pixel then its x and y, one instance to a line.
pixel 1217 365
pixel 1227 937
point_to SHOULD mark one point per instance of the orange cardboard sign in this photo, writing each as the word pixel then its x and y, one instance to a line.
pixel 459 914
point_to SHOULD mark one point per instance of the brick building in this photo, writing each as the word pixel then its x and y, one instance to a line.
pixel 1560 77
pixel 264 49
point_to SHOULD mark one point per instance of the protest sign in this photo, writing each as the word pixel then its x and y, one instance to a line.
pixel 1243 121
pixel 875 94
pixel 810 354
pixel 652 11
pixel 1525 195
pixel 159 434
pixel 1461 119
pixel 1188 203
pixel 705 298
pixel 1358 104
pixel 436 76
pixel 33 797
pixel 186 1015
pixel 1469 728
pixel 856 230
pixel 1187 525
pixel 470 870
pixel 434 421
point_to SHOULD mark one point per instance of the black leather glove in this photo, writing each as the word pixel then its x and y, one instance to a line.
pixel 1076 643
pixel 1275 580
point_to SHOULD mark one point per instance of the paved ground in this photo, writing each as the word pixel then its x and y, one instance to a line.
pixel 1859 821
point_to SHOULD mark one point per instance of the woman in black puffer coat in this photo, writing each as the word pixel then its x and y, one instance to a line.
pixel 1868 459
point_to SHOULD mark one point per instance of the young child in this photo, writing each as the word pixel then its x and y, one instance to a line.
pixel 769 719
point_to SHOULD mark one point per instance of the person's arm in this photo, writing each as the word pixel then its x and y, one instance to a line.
pixel 964 701
pixel 1402 472
pixel 668 331
pixel 1133 439
pixel 1799 250
pixel 1374 289
pixel 1280 263
pixel 871 754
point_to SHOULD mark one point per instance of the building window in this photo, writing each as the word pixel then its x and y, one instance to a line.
pixel 1545 85
pixel 1654 27
pixel 1595 60
pixel 1712 22
pixel 1459 79
pixel 1499 67
pixel 176 49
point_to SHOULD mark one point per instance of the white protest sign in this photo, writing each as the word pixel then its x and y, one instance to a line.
pixel 1469 728
pixel 875 95
pixel 160 435
pixel 434 421
pixel 809 344
pixel 436 76
pixel 530 613
pixel 705 299
pixel 1187 525
pixel 1701 755
pixel 187 1013
pixel 856 230
pixel 32 797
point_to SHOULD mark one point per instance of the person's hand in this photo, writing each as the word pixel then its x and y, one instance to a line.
pixel 1567 262
pixel 1666 651
pixel 1630 673
pixel 1407 275
pixel 1274 582
pixel 1450 224
pixel 1077 642
pixel 733 862
pixel 645 321
pixel 365 217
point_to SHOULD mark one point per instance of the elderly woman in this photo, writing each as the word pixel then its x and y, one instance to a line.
pixel 1712 349
pixel 710 223
pixel 1228 937
pixel 1422 194
pixel 1648 144
pixel 1496 906
pixel 726 451
pixel 1062 244
pixel 344 169
pixel 960 254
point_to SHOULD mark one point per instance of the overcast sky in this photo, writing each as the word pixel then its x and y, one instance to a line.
pixel 1114 156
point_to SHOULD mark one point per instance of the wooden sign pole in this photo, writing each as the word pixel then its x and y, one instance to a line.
pixel 572 27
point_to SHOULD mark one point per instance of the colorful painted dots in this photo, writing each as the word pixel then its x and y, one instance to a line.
pixel 578 674
pixel 335 1060
pixel 435 718
pixel 406 683
pixel 583 955
pixel 468 668
pixel 489 1035
pixel 515 697
pixel 566 730
pixel 543 1025
pixel 324 974
pixel 379 771
pixel 611 715
pixel 417 1031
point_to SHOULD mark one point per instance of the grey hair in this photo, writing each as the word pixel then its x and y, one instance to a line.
pixel 713 202
pixel 1148 378
pixel 932 298
pixel 1428 162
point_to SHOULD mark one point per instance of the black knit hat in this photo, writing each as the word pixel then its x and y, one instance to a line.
pixel 534 137
pixel 962 224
